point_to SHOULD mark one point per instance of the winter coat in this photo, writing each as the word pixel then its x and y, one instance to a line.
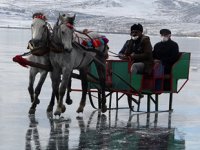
pixel 167 52
pixel 142 50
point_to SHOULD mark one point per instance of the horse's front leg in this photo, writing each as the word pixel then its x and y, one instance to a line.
pixel 51 103
pixel 63 86
pixel 38 88
pixel 55 85
pixel 55 79
pixel 84 83
pixel 32 75
pixel 37 92
pixel 68 98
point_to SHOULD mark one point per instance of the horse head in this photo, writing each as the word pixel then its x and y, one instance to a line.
pixel 63 32
pixel 69 18
pixel 40 31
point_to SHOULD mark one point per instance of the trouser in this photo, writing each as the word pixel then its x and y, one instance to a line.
pixel 137 67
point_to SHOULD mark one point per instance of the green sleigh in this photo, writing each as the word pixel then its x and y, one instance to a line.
pixel 121 82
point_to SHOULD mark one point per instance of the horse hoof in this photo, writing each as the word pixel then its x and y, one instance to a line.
pixel 79 110
pixel 37 101
pixel 81 107
pixel 104 109
pixel 49 115
pixel 49 108
pixel 57 113
pixel 69 101
pixel 63 108
pixel 32 111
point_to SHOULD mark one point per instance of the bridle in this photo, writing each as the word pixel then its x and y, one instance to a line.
pixel 42 43
pixel 56 41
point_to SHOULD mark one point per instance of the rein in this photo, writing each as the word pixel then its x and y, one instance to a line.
pixel 92 49
pixel 30 52
pixel 115 54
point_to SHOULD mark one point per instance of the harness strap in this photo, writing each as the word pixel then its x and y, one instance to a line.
pixel 85 35
pixel 95 59
pixel 88 49
pixel 56 47
pixel 84 54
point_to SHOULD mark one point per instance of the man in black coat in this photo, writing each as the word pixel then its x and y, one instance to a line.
pixel 167 51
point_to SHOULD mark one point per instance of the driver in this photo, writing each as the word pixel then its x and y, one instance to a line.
pixel 139 49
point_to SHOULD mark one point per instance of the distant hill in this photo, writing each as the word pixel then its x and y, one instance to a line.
pixel 181 16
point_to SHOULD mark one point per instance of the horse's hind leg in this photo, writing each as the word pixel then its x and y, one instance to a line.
pixel 101 73
pixel 84 83
pixel 37 92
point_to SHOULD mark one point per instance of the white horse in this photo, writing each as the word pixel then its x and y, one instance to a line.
pixel 40 54
pixel 70 56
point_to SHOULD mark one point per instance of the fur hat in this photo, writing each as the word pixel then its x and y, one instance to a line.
pixel 165 32
pixel 137 27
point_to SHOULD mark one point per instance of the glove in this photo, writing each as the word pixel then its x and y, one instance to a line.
pixel 122 56
pixel 132 55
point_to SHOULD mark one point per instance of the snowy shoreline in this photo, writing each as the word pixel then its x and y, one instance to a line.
pixel 107 32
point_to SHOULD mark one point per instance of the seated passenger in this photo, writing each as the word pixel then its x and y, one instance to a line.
pixel 139 49
pixel 166 51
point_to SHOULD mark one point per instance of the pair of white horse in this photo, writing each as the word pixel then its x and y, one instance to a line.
pixel 70 56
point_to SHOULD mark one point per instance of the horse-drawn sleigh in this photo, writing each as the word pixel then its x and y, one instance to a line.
pixel 121 82
pixel 60 54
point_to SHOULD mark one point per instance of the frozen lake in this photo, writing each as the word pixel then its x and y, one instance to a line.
pixel 91 130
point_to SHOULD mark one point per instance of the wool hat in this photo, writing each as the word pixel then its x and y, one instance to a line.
pixel 137 27
pixel 165 32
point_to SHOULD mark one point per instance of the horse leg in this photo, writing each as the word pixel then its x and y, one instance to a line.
pixel 101 73
pixel 51 103
pixel 68 98
pixel 55 78
pixel 32 75
pixel 84 83
pixel 37 92
pixel 39 86
pixel 54 94
pixel 63 86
